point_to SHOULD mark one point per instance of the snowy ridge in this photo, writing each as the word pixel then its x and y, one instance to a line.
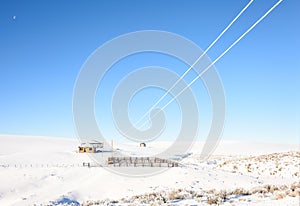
pixel 49 171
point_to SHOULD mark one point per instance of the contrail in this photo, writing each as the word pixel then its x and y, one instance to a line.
pixel 217 59
pixel 199 58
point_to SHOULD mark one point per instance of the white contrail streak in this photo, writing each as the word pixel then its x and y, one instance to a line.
pixel 217 59
pixel 199 58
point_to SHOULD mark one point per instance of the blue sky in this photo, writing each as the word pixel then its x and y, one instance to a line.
pixel 44 47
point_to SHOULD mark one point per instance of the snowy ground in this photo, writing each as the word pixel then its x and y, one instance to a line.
pixel 49 171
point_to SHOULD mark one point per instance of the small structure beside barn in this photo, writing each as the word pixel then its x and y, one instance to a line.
pixel 142 144
pixel 90 147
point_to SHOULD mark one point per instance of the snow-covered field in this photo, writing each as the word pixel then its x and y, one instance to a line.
pixel 49 171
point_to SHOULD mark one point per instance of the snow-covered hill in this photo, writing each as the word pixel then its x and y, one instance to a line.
pixel 49 171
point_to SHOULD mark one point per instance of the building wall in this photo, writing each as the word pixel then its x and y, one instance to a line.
pixel 86 150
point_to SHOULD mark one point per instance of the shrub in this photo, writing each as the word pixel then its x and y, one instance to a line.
pixel 213 200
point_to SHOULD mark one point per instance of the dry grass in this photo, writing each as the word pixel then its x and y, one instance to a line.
pixel 212 197
pixel 276 164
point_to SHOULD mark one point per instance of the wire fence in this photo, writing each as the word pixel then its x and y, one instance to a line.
pixel 50 165
pixel 111 162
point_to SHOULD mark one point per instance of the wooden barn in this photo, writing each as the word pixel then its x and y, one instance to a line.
pixel 90 147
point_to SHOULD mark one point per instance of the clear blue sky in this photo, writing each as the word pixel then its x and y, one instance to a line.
pixel 44 47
